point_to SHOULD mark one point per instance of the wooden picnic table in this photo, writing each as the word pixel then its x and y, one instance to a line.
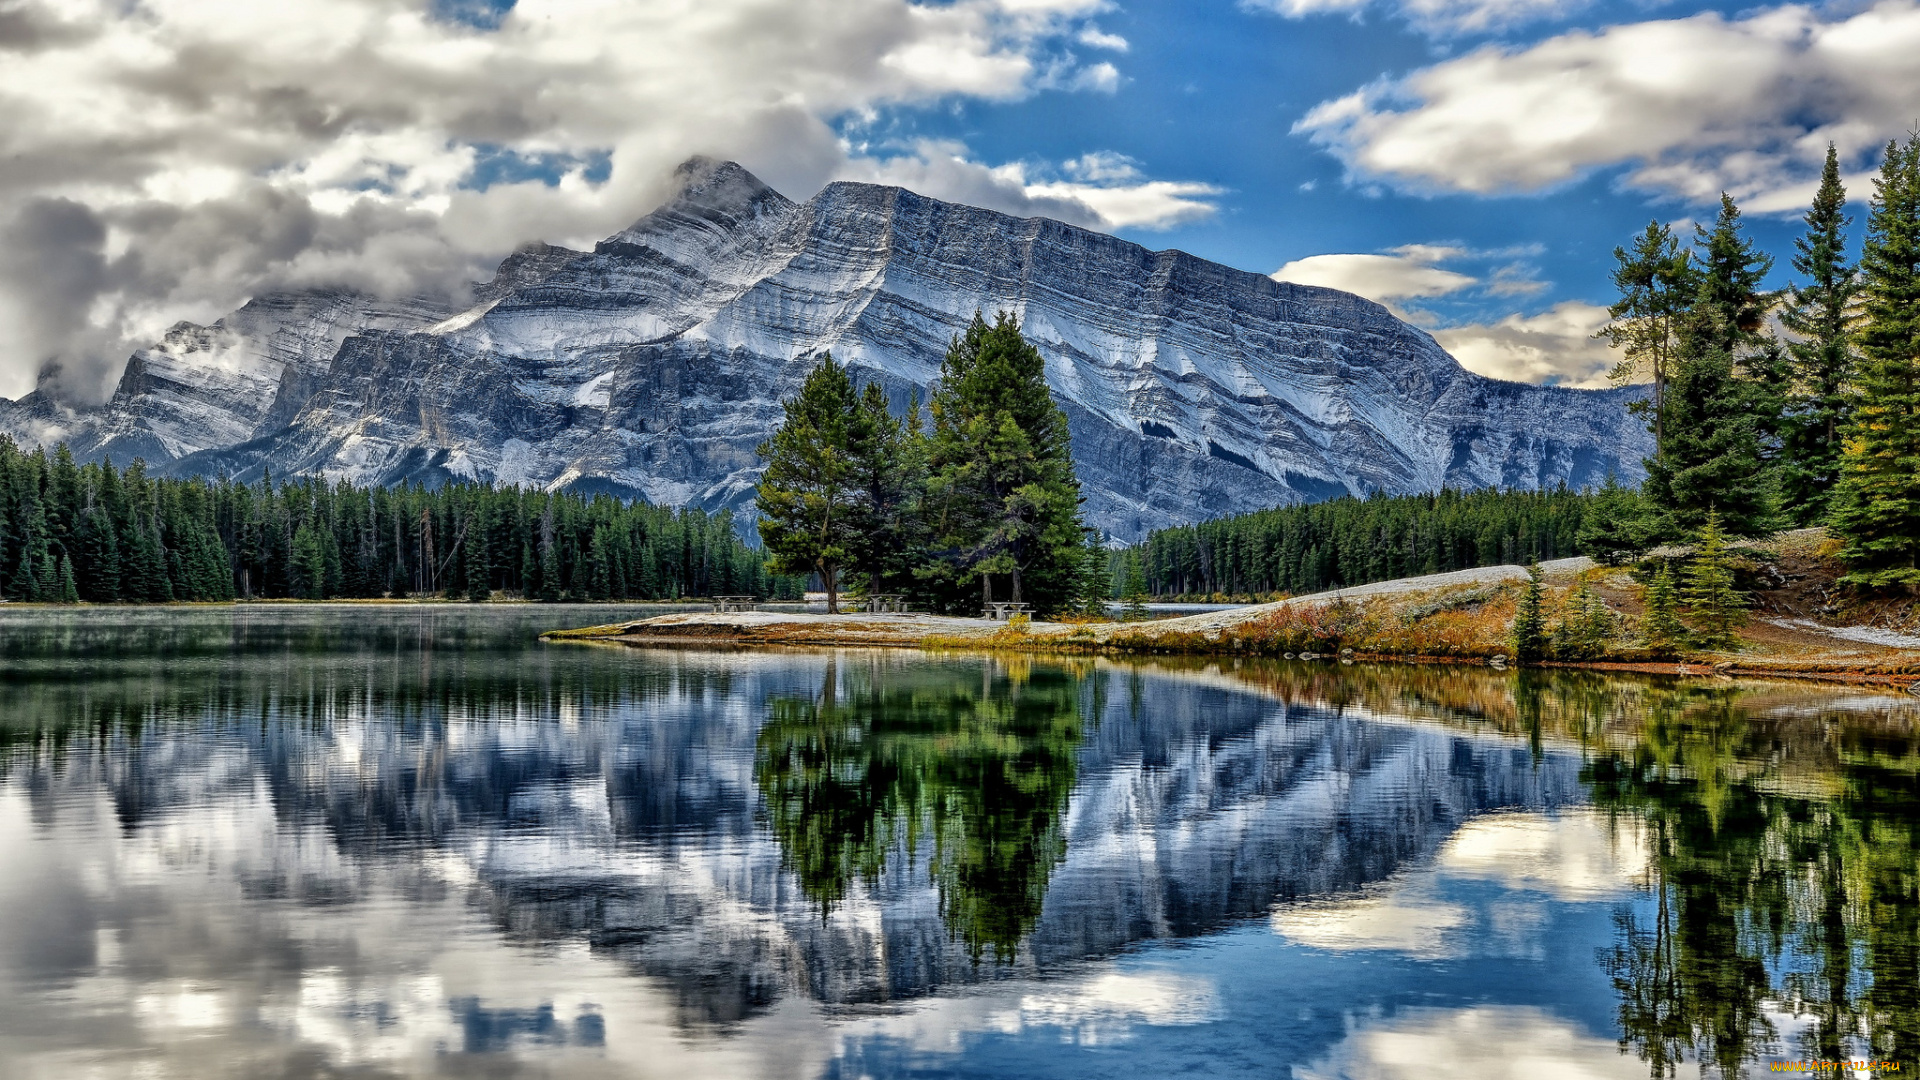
pixel 1005 610
pixel 724 604
pixel 879 603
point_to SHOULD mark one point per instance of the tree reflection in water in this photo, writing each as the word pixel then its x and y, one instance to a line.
pixel 886 762
pixel 1785 882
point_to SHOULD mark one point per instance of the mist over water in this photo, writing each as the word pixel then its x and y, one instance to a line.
pixel 378 841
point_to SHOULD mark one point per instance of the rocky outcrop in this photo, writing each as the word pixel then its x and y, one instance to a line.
pixel 655 364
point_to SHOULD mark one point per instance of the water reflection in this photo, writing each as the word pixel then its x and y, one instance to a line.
pixel 1785 885
pixel 419 843
pixel 976 775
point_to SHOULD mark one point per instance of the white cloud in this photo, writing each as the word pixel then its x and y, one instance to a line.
pixel 1101 78
pixel 1577 856
pixel 1483 1042
pixel 1572 856
pixel 169 162
pixel 1693 106
pixel 1406 273
pixel 1439 18
pixel 1555 346
pixel 1098 190
pixel 1414 925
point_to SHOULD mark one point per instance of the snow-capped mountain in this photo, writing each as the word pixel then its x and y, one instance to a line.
pixel 653 366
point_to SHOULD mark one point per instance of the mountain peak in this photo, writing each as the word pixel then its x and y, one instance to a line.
pixel 709 183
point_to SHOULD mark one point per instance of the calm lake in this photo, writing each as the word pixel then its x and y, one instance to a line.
pixel 410 842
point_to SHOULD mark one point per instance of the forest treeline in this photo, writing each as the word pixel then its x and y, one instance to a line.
pixel 98 533
pixel 1349 541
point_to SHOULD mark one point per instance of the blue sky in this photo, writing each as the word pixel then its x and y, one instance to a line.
pixel 1471 163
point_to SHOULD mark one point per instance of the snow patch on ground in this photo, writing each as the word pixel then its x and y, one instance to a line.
pixel 1868 635
pixel 1484 575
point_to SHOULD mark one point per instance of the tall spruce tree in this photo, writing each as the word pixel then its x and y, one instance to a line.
pixel 1661 627
pixel 1657 284
pixel 1530 619
pixel 1820 314
pixel 807 496
pixel 1616 529
pixel 1877 501
pixel 1715 606
pixel 888 473
pixel 1716 410
pixel 1004 501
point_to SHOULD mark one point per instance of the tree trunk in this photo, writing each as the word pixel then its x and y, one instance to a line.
pixel 1016 583
pixel 831 581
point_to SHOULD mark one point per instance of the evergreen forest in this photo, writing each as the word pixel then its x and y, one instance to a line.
pixel 103 534
pixel 1348 541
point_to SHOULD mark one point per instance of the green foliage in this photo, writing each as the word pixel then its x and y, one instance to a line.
pixel 1820 314
pixel 1767 882
pixel 876 768
pixel 1530 620
pixel 806 496
pixel 1094 584
pixel 1585 629
pixel 1715 606
pixel 1657 284
pixel 1002 501
pixel 1134 588
pixel 124 536
pixel 1877 503
pixel 1617 527
pixel 1660 626
pixel 985 505
pixel 1715 410
pixel 69 587
pixel 888 473
pixel 1347 541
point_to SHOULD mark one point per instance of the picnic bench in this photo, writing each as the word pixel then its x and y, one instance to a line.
pixel 724 604
pixel 1005 610
pixel 881 603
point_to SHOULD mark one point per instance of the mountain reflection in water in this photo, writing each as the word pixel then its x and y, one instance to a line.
pixel 418 842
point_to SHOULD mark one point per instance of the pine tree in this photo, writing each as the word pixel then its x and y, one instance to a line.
pixel 1616 528
pixel 1529 620
pixel 1877 502
pixel 1661 626
pixel 888 474
pixel 144 558
pixel 1715 606
pixel 1134 588
pixel 309 562
pixel 1710 457
pixel 69 589
pixel 1586 627
pixel 550 579
pixel 1657 283
pixel 806 496
pixel 1096 577
pixel 1820 315
pixel 1003 498
pixel 479 568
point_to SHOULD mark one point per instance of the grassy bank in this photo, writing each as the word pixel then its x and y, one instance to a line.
pixel 1799 623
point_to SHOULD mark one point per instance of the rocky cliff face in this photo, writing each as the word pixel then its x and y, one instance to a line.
pixel 653 365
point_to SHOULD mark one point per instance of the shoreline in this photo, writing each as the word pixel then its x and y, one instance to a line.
pixel 932 633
